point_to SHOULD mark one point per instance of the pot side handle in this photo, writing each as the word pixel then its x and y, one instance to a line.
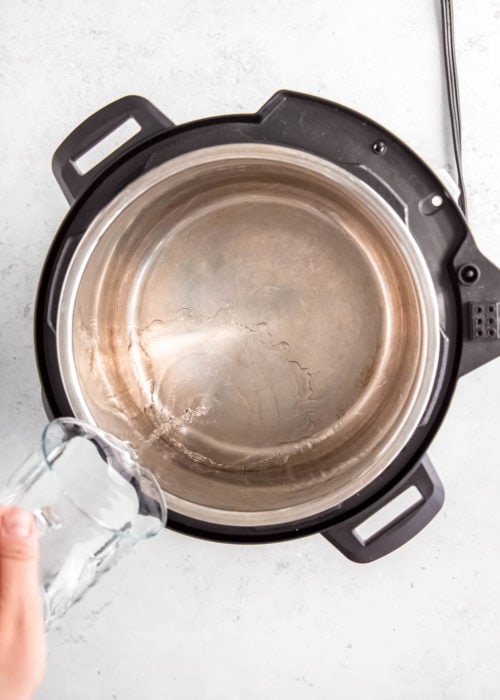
pixel 138 116
pixel 424 487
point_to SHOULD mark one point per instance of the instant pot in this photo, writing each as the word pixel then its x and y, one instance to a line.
pixel 273 309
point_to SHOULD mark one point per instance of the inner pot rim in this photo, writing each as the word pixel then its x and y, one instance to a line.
pixel 371 201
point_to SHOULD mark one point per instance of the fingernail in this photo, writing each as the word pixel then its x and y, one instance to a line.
pixel 17 523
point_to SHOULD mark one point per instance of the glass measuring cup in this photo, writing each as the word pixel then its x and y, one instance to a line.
pixel 91 502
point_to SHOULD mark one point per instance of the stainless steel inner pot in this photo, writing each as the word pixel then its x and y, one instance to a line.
pixel 258 323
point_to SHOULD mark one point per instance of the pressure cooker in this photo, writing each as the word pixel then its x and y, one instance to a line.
pixel 273 309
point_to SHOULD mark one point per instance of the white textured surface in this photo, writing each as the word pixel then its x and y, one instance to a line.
pixel 187 619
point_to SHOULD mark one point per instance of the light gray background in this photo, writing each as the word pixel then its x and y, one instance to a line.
pixel 187 619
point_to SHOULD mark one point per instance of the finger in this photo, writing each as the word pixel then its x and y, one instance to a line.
pixel 18 560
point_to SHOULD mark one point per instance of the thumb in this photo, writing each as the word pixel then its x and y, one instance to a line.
pixel 18 559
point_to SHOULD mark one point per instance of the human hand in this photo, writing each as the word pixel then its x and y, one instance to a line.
pixel 22 639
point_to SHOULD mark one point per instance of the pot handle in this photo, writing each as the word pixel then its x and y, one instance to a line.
pixel 350 536
pixel 149 122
